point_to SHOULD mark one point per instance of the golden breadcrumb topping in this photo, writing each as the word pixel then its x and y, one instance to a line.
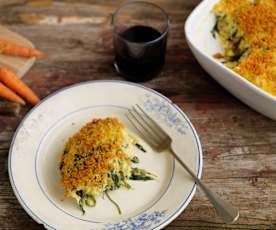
pixel 260 67
pixel 97 160
pixel 91 154
pixel 258 22
pixel 247 29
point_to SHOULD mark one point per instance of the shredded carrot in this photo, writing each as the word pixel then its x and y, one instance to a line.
pixel 10 95
pixel 9 48
pixel 18 86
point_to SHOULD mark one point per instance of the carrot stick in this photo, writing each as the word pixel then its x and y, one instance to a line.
pixel 10 95
pixel 18 86
pixel 13 49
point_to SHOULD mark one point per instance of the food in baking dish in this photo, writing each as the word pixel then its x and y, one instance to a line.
pixel 247 31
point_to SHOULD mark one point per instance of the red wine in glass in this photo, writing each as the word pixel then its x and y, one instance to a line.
pixel 140 52
pixel 140 31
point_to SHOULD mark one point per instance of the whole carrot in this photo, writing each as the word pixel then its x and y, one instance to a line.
pixel 18 86
pixel 9 48
pixel 10 95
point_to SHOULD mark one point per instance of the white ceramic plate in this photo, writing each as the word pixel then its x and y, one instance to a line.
pixel 39 141
pixel 203 45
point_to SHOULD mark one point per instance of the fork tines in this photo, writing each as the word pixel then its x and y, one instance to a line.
pixel 146 126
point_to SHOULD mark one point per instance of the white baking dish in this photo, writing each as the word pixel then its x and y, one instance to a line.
pixel 203 45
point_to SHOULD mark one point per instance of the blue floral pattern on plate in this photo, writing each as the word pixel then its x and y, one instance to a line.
pixel 144 221
pixel 163 111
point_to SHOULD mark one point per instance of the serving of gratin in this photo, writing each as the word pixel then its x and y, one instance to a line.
pixel 247 31
pixel 98 159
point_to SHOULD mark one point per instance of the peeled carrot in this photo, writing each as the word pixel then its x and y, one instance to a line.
pixel 18 86
pixel 13 49
pixel 10 95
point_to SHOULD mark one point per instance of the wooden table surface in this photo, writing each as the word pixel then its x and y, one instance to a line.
pixel 239 145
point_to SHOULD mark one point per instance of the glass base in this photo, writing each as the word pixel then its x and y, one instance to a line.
pixel 133 78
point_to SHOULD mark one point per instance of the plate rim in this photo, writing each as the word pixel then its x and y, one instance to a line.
pixel 198 144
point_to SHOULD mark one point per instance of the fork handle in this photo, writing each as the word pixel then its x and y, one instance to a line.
pixel 225 210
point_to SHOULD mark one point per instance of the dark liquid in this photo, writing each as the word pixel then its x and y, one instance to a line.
pixel 136 60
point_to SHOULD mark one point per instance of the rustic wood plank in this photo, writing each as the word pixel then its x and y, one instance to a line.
pixel 239 144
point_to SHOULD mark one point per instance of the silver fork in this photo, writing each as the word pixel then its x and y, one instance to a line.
pixel 160 141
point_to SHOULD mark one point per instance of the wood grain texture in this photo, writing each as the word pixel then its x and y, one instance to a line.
pixel 239 145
